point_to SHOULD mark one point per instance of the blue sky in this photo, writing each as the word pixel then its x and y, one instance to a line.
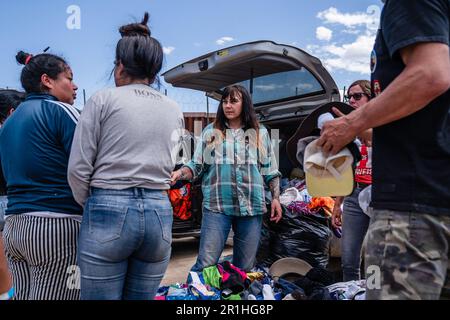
pixel 340 33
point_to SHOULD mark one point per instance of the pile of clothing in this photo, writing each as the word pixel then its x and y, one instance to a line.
pixel 313 286
pixel 223 281
pixel 351 290
pixel 297 199
pixel 287 279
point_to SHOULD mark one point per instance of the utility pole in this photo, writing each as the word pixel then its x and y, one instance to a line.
pixel 84 96
pixel 207 110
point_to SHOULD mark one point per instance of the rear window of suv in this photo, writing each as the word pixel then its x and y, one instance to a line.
pixel 283 85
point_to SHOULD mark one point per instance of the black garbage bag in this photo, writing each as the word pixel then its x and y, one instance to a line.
pixel 263 256
pixel 303 236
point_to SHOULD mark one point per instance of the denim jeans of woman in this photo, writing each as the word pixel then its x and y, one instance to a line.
pixel 354 228
pixel 125 244
pixel 214 233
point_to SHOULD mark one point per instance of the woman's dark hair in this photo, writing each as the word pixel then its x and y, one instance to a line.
pixel 9 99
pixel 36 66
pixel 364 85
pixel 140 54
pixel 248 115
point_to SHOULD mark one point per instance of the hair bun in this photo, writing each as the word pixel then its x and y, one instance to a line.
pixel 136 29
pixel 23 57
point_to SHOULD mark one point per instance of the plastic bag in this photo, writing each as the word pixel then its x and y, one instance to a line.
pixel 364 198
pixel 301 236
pixel 181 202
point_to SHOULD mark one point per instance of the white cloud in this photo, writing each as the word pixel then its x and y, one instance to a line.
pixel 224 40
pixel 323 33
pixel 351 51
pixel 351 31
pixel 305 86
pixel 351 57
pixel 312 47
pixel 168 50
pixel 273 86
pixel 268 87
pixel 350 20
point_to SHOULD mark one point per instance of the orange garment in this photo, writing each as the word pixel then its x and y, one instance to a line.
pixel 326 203
pixel 181 202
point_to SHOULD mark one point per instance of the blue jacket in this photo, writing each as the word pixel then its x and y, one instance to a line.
pixel 35 146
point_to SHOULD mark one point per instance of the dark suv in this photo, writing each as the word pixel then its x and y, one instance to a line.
pixel 286 84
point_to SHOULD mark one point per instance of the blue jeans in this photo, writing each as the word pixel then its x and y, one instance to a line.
pixel 3 206
pixel 214 233
pixel 354 228
pixel 124 244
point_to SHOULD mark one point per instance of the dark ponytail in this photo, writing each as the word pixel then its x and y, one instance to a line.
pixel 140 54
pixel 36 66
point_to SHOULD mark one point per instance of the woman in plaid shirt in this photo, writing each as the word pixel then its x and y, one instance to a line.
pixel 234 158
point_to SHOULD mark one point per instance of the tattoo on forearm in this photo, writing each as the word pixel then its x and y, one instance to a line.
pixel 274 186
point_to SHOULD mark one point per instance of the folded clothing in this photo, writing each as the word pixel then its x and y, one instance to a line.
pixel 347 290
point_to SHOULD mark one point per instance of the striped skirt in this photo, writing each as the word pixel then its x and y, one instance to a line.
pixel 41 255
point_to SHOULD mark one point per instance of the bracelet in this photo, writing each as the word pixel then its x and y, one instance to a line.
pixel 8 295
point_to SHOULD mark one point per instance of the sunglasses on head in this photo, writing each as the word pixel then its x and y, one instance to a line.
pixel 357 96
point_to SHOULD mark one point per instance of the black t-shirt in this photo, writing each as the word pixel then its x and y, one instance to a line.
pixel 411 156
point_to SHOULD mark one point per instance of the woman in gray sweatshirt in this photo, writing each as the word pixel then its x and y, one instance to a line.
pixel 123 153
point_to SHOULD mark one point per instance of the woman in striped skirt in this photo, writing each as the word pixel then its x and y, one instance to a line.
pixel 42 217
